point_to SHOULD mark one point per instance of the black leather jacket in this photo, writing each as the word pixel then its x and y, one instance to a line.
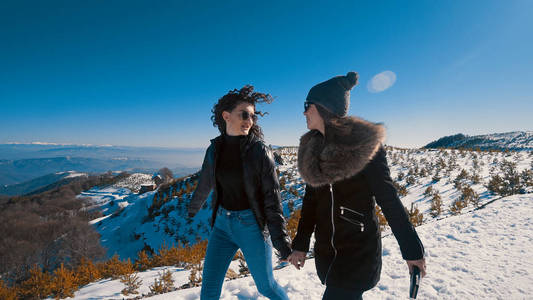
pixel 260 184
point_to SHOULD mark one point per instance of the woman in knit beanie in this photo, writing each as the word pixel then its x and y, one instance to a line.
pixel 343 162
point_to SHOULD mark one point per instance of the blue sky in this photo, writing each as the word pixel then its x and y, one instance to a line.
pixel 146 73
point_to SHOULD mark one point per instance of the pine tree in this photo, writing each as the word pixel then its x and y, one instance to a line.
pixel 428 191
pixel 64 283
pixel 194 278
pixel 132 283
pixel 7 293
pixel 167 280
pixel 436 177
pixel 415 216
pixel 282 182
pixel 495 185
pixel 401 189
pixel 457 206
pixel 168 256
pixel 194 255
pixel 400 176
pixel 114 268
pixel 381 219
pixel 243 267
pixel 157 287
pixel 510 177
pixel 87 272
pixel 230 275
pixel 143 261
pixel 290 206
pixel 410 180
pixel 436 205
pixel 38 285
pixel 292 223
pixel 526 178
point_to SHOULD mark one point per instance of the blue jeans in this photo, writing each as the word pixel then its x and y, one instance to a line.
pixel 234 230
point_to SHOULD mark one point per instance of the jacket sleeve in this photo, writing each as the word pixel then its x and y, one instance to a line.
pixel 272 199
pixel 205 184
pixel 306 224
pixel 382 187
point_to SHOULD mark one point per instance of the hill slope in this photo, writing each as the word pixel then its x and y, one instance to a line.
pixel 39 182
pixel 134 222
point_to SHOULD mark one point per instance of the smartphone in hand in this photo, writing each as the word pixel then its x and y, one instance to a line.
pixel 415 283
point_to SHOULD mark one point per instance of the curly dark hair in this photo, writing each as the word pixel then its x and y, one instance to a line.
pixel 235 97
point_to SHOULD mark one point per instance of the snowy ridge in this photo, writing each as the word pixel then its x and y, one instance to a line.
pixel 516 140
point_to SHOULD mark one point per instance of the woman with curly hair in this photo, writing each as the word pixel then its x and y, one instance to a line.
pixel 343 162
pixel 239 168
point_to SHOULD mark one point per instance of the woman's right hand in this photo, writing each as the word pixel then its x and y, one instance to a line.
pixel 297 258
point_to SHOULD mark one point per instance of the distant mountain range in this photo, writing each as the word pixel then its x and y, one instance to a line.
pixel 516 140
pixel 187 157
pixel 20 163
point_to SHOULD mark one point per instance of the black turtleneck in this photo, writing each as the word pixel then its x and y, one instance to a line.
pixel 229 174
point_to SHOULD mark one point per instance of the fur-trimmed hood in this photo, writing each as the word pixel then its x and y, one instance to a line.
pixel 348 146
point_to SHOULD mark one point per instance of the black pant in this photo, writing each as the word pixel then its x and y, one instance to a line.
pixel 335 293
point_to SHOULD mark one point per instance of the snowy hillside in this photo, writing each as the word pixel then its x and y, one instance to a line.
pixel 483 254
pixel 516 140
pixel 471 252
pixel 134 222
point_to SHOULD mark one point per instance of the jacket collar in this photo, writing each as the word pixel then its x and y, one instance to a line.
pixel 246 142
pixel 342 153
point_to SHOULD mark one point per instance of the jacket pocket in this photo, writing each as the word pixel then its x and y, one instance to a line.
pixel 352 216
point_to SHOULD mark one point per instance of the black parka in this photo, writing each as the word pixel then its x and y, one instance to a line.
pixel 342 214
pixel 260 184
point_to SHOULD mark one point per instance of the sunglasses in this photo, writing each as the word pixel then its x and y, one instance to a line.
pixel 307 105
pixel 246 115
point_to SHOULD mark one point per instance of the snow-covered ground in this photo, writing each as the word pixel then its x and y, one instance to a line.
pixel 482 254
pixel 479 254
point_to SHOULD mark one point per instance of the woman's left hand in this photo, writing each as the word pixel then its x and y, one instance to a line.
pixel 420 263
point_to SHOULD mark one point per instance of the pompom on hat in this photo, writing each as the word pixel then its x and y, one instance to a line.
pixel 334 94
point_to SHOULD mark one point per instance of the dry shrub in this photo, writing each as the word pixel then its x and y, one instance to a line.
pixel 415 216
pixel 230 275
pixel 292 223
pixel 64 283
pixel 132 283
pixel 381 219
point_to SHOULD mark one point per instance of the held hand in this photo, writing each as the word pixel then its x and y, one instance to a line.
pixel 297 258
pixel 420 263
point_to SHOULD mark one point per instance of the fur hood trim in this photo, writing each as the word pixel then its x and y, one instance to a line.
pixel 348 146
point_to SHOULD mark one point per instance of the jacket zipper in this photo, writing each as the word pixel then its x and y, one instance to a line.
pixel 332 233
pixel 355 222
pixel 350 210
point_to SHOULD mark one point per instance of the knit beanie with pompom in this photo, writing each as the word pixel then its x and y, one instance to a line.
pixel 334 94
